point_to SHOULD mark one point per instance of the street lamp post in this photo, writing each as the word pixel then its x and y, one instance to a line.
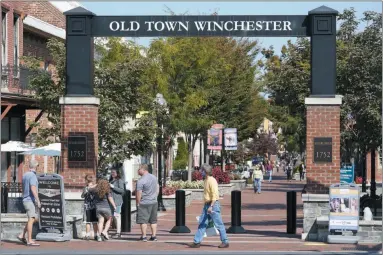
pixel 161 101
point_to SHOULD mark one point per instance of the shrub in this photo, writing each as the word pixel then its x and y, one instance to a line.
pixel 181 159
pixel 185 185
pixel 221 177
pixel 197 176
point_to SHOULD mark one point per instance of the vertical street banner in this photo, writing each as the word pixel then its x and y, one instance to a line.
pixel 344 207
pixel 214 137
pixel 347 173
pixel 230 135
pixel 51 195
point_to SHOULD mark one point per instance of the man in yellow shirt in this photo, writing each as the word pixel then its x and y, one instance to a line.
pixel 211 210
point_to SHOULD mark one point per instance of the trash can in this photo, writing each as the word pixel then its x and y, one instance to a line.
pixel 184 176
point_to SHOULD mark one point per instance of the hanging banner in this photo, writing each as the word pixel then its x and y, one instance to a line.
pixel 230 135
pixel 347 174
pixel 344 207
pixel 214 137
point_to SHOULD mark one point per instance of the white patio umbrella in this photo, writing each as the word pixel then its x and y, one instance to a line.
pixel 17 146
pixel 53 150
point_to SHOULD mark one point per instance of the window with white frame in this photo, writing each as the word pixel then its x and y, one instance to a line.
pixel 3 38
pixel 16 53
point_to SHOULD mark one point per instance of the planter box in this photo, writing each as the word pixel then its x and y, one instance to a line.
pixel 238 184
pixel 197 194
pixel 225 189
pixel 170 201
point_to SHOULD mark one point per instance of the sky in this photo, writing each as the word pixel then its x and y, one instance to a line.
pixel 224 8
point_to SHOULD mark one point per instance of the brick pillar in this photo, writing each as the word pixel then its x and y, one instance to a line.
pixel 79 117
pixel 323 120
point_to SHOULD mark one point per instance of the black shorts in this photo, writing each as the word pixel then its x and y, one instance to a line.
pixel 90 216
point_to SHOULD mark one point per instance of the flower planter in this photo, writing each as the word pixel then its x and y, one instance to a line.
pixel 238 184
pixel 225 189
pixel 170 201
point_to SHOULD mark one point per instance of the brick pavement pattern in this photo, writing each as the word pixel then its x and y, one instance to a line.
pixel 263 216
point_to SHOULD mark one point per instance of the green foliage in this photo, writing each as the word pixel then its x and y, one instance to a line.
pixel 359 63
pixel 48 87
pixel 186 185
pixel 181 159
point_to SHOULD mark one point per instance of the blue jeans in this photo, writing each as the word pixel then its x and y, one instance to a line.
pixel 217 219
pixel 257 185
pixel 270 175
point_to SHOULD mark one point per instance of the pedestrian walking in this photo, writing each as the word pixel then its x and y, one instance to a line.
pixel 289 170
pixel 269 169
pixel 211 211
pixel 90 216
pixel 31 203
pixel 102 198
pixel 118 190
pixel 258 176
pixel 301 171
pixel 147 205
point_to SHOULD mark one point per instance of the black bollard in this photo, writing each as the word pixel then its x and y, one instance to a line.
pixel 180 214
pixel 236 203
pixel 126 212
pixel 291 212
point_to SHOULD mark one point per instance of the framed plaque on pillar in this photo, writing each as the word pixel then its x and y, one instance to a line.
pixel 322 149
pixel 77 148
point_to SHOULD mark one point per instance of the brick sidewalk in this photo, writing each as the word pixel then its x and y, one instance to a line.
pixel 263 217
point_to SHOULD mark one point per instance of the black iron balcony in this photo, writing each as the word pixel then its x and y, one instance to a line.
pixel 15 79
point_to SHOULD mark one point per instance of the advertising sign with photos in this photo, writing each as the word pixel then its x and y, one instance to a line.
pixel 214 137
pixel 230 135
pixel 344 207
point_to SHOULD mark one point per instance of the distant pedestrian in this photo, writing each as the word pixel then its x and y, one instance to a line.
pixel 258 176
pixel 302 171
pixel 289 170
pixel 147 205
pixel 211 211
pixel 269 169
pixel 31 202
pixel 103 197
pixel 90 216
pixel 118 190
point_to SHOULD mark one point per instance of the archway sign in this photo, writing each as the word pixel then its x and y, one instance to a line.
pixel 80 106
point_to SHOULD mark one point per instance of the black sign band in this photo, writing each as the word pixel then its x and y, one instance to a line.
pixel 222 25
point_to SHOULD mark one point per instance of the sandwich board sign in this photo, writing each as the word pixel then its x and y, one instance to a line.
pixel 52 217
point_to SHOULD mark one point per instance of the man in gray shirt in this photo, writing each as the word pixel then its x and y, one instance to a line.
pixel 146 199
pixel 31 202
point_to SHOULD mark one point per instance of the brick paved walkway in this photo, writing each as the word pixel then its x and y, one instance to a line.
pixel 263 216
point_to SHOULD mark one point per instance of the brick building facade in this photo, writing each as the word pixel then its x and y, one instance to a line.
pixel 26 29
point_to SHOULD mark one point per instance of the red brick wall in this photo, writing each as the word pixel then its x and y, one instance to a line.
pixel 79 120
pixel 322 121
pixel 378 168
pixel 27 47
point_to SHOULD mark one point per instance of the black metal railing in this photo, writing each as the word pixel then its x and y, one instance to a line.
pixel 12 197
pixel 16 79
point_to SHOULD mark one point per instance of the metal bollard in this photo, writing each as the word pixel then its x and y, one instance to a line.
pixel 180 214
pixel 291 212
pixel 236 203
pixel 126 212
